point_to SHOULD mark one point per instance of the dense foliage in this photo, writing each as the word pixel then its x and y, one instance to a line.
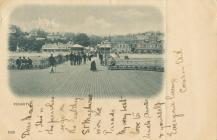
pixel 35 39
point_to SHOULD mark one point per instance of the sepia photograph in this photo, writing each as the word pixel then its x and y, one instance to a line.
pixel 104 51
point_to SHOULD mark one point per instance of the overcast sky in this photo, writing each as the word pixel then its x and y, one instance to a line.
pixel 99 20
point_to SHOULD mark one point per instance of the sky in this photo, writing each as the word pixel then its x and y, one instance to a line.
pixel 98 20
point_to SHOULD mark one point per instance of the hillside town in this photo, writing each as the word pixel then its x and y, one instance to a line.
pixel 41 41
pixel 118 48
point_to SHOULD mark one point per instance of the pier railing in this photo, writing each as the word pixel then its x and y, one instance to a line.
pixel 147 64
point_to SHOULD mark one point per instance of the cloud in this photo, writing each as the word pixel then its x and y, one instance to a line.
pixel 101 23
pixel 95 25
pixel 131 13
pixel 46 24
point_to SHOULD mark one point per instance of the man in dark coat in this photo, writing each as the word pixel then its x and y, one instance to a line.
pixel 84 58
pixel 18 63
pixel 72 58
pixel 29 61
pixel 52 62
pixel 76 59
pixel 79 59
pixel 67 57
pixel 101 58
pixel 23 63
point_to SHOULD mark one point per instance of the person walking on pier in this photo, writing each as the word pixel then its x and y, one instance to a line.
pixel 101 58
pixel 72 58
pixel 76 59
pixel 79 58
pixel 84 58
pixel 52 62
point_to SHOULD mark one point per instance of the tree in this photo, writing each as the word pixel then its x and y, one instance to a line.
pixel 81 39
pixel 12 42
pixel 36 45
pixel 41 33
pixel 94 40
pixel 69 36
pixel 15 34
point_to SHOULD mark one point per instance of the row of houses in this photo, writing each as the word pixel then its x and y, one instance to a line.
pixel 60 47
pixel 143 43
pixel 138 46
pixel 121 47
pixel 150 42
pixel 148 47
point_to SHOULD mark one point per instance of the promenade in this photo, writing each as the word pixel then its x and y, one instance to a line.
pixel 80 81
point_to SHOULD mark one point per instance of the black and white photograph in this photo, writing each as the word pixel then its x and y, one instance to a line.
pixel 104 51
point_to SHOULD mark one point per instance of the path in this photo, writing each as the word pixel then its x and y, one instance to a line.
pixel 80 81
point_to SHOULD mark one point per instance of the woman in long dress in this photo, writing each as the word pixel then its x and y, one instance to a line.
pixel 93 64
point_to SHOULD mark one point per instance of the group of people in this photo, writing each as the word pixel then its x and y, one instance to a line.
pixel 103 58
pixel 77 58
pixel 80 57
pixel 23 63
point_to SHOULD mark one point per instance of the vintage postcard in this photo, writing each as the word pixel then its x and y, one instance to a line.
pixel 109 69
